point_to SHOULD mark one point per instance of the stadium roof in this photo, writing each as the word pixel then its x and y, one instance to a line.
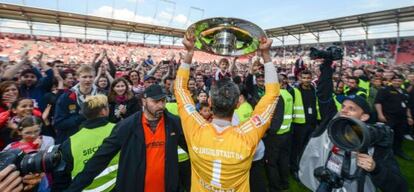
pixel 17 12
pixel 25 13
pixel 404 14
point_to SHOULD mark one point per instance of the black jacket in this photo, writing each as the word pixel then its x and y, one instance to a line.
pixel 132 106
pixel 66 116
pixel 128 137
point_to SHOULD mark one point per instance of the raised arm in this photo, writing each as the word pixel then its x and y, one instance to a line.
pixel 325 93
pixel 186 107
pixel 12 71
pixel 262 115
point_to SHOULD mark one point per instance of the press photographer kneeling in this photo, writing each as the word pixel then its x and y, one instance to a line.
pixel 344 152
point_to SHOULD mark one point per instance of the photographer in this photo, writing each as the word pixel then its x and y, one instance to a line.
pixel 381 167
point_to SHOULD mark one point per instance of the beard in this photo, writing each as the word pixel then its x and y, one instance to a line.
pixel 155 113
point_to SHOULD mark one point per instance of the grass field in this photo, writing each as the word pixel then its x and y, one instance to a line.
pixel 407 168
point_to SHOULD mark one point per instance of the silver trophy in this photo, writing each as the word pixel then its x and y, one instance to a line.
pixel 226 36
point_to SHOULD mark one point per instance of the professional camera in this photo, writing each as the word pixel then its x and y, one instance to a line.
pixel 350 134
pixel 328 180
pixel 332 53
pixel 37 162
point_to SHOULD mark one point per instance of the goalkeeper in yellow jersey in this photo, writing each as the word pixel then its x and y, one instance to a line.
pixel 221 154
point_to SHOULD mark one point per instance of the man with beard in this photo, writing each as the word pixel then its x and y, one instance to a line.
pixel 148 142
pixel 354 89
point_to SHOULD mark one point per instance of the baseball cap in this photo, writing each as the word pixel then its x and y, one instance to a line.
pixel 360 101
pixel 155 92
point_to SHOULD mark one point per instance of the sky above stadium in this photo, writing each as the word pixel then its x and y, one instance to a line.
pixel 181 13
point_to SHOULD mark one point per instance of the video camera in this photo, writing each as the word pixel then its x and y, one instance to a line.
pixel 349 135
pixel 37 162
pixel 332 53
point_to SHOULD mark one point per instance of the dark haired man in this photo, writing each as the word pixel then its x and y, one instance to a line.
pixel 354 89
pixel 221 154
pixel 305 116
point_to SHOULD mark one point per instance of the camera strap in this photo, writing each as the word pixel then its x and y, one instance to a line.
pixel 346 165
pixel 361 182
pixel 359 175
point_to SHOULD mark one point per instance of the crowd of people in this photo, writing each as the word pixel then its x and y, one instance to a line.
pixel 154 119
pixel 357 52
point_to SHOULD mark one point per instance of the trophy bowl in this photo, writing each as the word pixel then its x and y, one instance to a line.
pixel 226 36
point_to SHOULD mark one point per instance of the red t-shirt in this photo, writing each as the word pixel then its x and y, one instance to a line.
pixel 26 147
pixel 155 153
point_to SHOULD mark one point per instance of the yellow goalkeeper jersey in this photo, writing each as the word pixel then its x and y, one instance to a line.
pixel 221 161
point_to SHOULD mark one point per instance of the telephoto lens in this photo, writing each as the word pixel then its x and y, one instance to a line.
pixel 42 161
pixel 351 134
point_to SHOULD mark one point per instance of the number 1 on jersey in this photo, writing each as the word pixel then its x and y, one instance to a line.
pixel 215 180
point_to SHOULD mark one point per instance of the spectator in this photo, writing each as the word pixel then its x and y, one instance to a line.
pixel 137 85
pixel 202 97
pixel 8 94
pixel 122 102
pixel 9 120
pixel 67 112
pixel 32 84
pixel 29 130
pixel 149 61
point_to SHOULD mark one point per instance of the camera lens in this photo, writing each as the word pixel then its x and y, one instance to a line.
pixel 43 161
pixel 31 163
pixel 348 134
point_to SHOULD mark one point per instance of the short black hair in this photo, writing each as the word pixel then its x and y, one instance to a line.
pixel 398 76
pixel 305 72
pixel 224 98
pixel 354 78
pixel 27 71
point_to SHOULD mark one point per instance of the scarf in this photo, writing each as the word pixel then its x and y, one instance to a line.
pixel 120 99
pixel 80 98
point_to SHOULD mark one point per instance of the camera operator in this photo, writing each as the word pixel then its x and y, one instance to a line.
pixel 381 167
pixel 12 181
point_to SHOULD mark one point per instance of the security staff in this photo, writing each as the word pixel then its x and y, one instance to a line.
pixel 363 81
pixel 278 141
pixel 354 89
pixel 80 147
pixel 305 116
pixel 391 104
pixel 339 94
